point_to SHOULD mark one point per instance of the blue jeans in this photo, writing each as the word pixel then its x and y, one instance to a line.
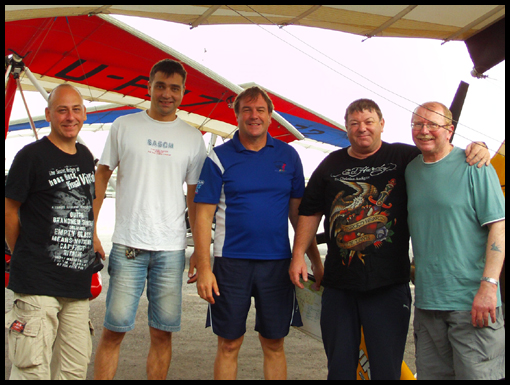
pixel 163 271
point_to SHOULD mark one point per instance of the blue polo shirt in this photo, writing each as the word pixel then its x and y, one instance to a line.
pixel 252 190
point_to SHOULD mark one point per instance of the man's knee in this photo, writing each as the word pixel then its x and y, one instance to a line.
pixel 272 345
pixel 227 346
pixel 160 336
pixel 112 338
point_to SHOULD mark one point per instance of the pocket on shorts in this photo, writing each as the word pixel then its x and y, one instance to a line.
pixel 25 338
pixel 480 345
pixel 494 341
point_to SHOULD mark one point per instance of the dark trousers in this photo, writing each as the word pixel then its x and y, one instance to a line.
pixel 384 314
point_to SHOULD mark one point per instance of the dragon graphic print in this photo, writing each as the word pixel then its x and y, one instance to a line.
pixel 359 220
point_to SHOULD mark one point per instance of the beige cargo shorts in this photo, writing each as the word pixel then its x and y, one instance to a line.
pixel 49 337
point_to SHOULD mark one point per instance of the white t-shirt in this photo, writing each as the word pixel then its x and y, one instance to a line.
pixel 154 160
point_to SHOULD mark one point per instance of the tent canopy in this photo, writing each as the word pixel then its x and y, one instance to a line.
pixel 443 22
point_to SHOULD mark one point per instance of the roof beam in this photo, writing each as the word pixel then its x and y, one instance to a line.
pixel 302 16
pixel 205 16
pixel 474 23
pixel 393 20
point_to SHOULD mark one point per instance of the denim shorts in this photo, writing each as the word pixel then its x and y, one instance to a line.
pixel 163 271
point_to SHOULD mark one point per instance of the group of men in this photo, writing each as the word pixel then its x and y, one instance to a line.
pixel 373 195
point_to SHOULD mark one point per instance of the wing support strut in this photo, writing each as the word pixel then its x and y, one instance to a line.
pixel 15 67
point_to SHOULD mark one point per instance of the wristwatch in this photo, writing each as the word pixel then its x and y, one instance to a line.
pixel 490 280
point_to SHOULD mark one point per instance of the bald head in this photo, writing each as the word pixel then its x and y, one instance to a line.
pixel 56 91
pixel 66 114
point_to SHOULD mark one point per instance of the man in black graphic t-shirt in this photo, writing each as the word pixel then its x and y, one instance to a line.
pixel 49 225
pixel 361 192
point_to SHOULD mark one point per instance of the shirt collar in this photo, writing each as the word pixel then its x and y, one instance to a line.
pixel 239 146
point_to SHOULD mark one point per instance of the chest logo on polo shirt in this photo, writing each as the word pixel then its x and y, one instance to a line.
pixel 280 166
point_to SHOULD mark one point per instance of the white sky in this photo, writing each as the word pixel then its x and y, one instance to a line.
pixel 402 73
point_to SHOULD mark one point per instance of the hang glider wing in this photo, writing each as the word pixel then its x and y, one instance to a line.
pixel 110 62
pixel 108 113
pixel 99 115
pixel 311 124
pixel 444 22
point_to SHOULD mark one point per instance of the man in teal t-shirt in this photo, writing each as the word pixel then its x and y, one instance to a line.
pixel 457 222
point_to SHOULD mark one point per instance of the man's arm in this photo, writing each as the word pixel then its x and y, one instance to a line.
pixel 206 281
pixel 312 251
pixel 103 174
pixel 486 298
pixel 294 211
pixel 304 240
pixel 12 225
pixel 190 196
pixel 191 205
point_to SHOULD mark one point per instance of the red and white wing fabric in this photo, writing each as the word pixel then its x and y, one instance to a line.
pixel 110 61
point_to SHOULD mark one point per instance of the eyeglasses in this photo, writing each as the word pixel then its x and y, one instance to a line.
pixel 431 126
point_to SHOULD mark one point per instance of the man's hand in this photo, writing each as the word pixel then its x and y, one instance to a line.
pixel 191 272
pixel 98 247
pixel 298 269
pixel 318 274
pixel 484 305
pixel 206 284
pixel 478 152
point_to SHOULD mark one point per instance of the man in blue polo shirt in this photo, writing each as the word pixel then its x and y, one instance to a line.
pixel 255 183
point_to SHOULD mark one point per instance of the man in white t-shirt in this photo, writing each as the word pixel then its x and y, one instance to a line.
pixel 155 153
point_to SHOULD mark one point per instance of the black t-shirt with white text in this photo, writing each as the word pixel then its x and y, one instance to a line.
pixel 54 252
pixel 364 202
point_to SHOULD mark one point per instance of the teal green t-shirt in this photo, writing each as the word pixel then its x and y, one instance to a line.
pixel 449 206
